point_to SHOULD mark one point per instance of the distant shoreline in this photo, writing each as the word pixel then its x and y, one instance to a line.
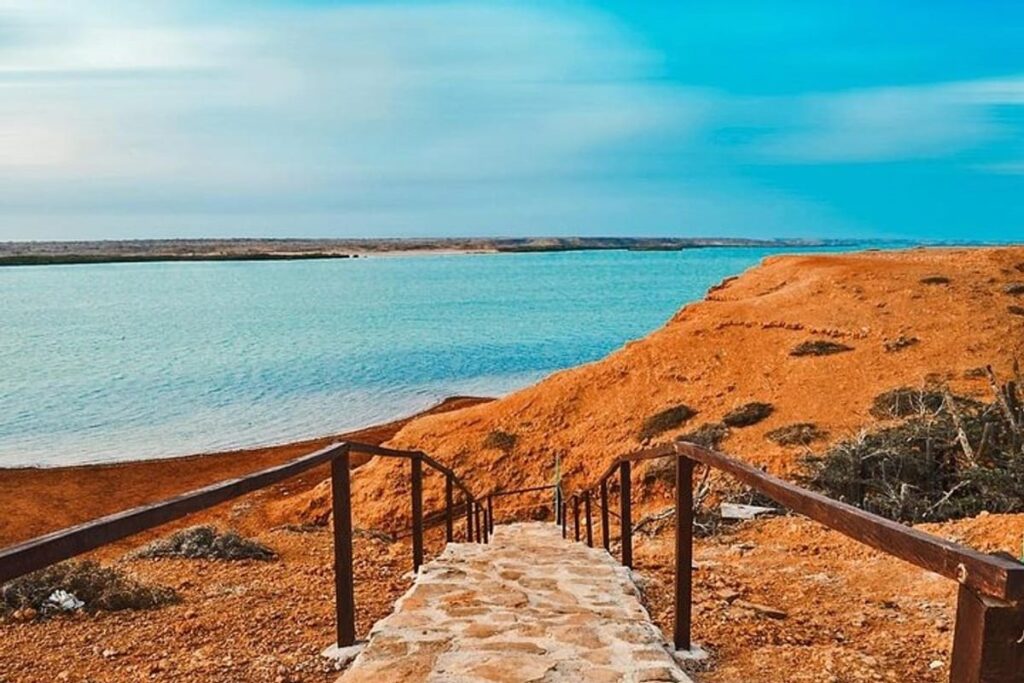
pixel 151 251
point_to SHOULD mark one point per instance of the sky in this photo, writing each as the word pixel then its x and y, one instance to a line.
pixel 221 118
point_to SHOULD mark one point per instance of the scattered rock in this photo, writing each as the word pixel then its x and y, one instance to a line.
pixel 764 610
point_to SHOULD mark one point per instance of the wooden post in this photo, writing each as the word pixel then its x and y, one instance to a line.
pixel 988 643
pixel 449 519
pixel 565 521
pixel 604 516
pixel 558 505
pixel 684 551
pixel 469 517
pixel 479 526
pixel 490 514
pixel 590 525
pixel 417 512
pixel 344 589
pixel 487 524
pixel 625 513
pixel 576 516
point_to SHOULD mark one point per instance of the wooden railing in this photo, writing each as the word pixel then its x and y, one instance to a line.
pixel 988 642
pixel 43 551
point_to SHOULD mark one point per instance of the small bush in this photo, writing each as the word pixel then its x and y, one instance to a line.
pixel 899 343
pixel 935 280
pixel 100 588
pixel 748 414
pixel 919 470
pixel 904 402
pixel 667 419
pixel 799 434
pixel 205 542
pixel 1016 310
pixel 1014 288
pixel 502 441
pixel 710 435
pixel 819 347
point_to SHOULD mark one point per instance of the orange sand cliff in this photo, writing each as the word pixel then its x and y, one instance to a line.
pixel 732 348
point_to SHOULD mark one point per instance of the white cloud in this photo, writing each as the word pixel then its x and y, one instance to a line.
pixel 887 124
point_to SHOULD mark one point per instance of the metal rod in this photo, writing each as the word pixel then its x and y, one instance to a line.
pixel 558 505
pixel 417 513
pixel 626 513
pixel 576 516
pixel 344 588
pixel 605 536
pixel 684 552
pixel 469 518
pixel 565 522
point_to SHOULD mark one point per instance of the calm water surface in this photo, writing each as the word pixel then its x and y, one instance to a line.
pixel 128 361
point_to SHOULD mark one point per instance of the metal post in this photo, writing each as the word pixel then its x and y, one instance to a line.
pixel 479 526
pixel 487 524
pixel 626 513
pixel 469 517
pixel 344 593
pixel 417 512
pixel 565 521
pixel 576 516
pixel 604 515
pixel 684 551
pixel 449 520
pixel 590 525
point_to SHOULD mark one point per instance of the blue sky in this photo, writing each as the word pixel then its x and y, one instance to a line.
pixel 764 119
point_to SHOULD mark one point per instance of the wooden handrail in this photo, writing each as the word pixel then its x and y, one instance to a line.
pixel 988 644
pixel 43 551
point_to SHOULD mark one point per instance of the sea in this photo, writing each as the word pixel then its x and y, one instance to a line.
pixel 107 363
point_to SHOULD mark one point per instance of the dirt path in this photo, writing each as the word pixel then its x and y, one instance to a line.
pixel 527 607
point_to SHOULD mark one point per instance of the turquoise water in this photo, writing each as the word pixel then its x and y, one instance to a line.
pixel 129 361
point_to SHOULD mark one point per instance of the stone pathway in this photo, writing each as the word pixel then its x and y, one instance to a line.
pixel 527 607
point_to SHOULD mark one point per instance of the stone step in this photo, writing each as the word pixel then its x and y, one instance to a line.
pixel 529 606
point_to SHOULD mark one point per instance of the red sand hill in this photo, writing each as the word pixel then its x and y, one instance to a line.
pixel 909 318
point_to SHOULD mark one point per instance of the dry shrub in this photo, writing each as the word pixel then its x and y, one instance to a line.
pixel 748 414
pixel 1014 288
pixel 205 542
pixel 899 343
pixel 709 435
pixel 665 420
pixel 819 347
pixel 1016 310
pixel 906 401
pixel 798 434
pixel 500 440
pixel 99 587
pixel 935 280
pixel 944 461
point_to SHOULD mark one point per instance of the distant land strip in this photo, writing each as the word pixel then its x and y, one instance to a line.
pixel 136 251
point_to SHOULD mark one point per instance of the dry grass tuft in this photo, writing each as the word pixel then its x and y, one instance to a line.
pixel 819 347
pixel 205 542
pixel 665 420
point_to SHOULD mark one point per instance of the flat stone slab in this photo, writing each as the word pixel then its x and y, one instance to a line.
pixel 529 606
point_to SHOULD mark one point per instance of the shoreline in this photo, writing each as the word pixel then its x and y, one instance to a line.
pixel 39 500
pixel 14 254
